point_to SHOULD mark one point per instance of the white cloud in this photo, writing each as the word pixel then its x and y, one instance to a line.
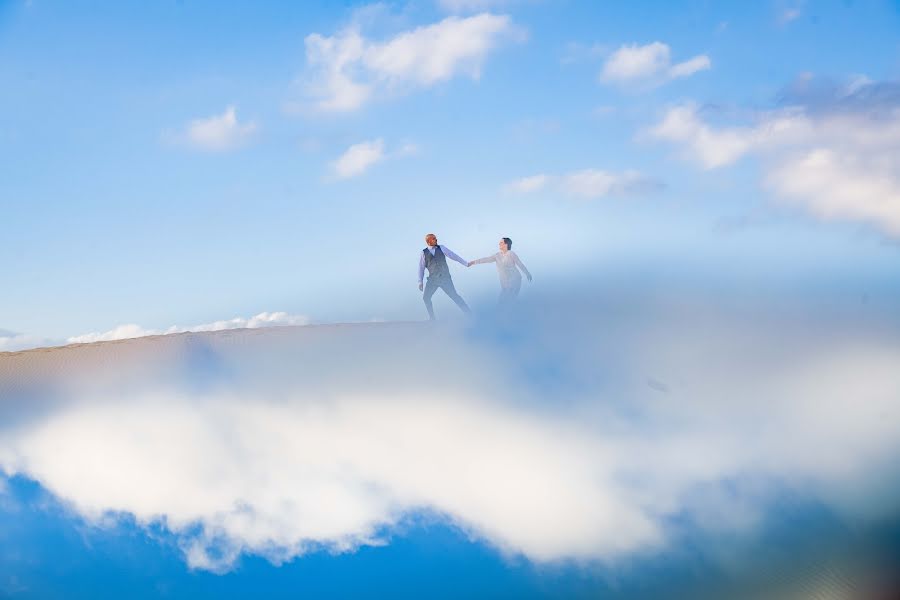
pixel 594 183
pixel 334 59
pixel 842 185
pixel 648 65
pixel 218 132
pixel 295 475
pixel 347 69
pixel 711 147
pixel 636 62
pixel 837 160
pixel 530 184
pixel 12 342
pixel 358 158
pixel 588 183
pixel 120 332
pixel 856 83
pixel 689 67
pixel 265 319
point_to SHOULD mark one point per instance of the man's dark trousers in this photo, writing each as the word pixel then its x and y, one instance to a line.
pixel 446 284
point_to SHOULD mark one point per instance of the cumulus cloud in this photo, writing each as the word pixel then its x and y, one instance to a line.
pixel 347 69
pixel 842 185
pixel 358 158
pixel 588 183
pixel 329 441
pixel 122 332
pixel 711 147
pixel 216 133
pixel 649 65
pixel 835 154
pixel 333 475
pixel 219 132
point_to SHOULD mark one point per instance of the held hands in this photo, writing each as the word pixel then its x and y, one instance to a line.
pixel 471 262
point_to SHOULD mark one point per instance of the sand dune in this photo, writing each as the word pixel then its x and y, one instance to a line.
pixel 26 366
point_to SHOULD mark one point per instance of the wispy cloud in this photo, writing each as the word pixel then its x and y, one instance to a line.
pixel 347 70
pixel 587 183
pixel 265 319
pixel 648 65
pixel 711 147
pixel 216 133
pixel 359 158
pixel 532 183
pixel 836 156
pixel 10 341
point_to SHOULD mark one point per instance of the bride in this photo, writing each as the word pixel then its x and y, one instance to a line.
pixel 508 266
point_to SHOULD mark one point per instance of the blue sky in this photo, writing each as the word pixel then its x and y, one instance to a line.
pixel 118 212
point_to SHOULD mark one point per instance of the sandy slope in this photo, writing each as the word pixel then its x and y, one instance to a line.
pixel 29 365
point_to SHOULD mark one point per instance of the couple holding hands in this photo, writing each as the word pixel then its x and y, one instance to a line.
pixel 434 258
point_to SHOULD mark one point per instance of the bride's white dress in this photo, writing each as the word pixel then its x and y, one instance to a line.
pixel 508 266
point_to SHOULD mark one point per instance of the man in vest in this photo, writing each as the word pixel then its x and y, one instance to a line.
pixel 434 258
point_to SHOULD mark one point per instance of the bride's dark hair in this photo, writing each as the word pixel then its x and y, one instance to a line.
pixel 508 243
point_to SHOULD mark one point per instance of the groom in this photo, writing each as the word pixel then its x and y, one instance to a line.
pixel 434 258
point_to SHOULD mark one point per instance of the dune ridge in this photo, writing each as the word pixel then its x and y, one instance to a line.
pixel 50 361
